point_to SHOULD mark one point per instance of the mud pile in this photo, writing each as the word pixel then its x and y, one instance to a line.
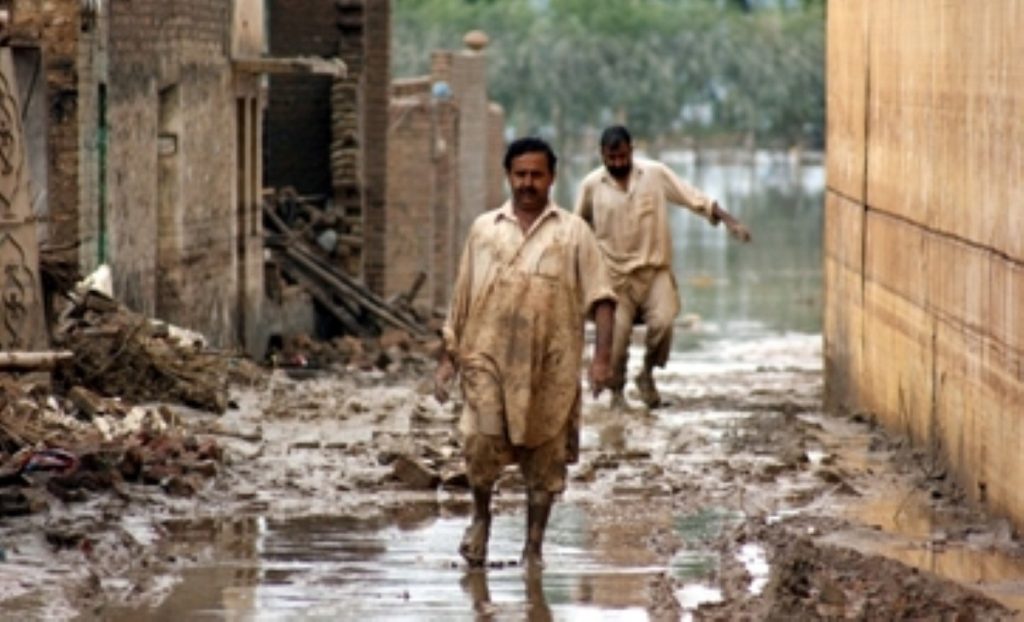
pixel 815 581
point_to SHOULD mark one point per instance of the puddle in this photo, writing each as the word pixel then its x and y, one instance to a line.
pixel 904 528
pixel 695 565
pixel 260 568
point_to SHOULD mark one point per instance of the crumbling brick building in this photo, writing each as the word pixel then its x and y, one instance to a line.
pixel 144 125
pixel 147 121
pixel 150 129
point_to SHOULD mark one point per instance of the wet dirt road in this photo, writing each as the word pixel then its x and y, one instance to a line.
pixel 738 499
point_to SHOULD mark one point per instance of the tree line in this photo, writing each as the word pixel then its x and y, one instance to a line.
pixel 705 72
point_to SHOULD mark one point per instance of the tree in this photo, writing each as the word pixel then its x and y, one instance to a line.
pixel 566 67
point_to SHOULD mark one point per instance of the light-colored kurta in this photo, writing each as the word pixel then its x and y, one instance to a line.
pixel 515 325
pixel 632 225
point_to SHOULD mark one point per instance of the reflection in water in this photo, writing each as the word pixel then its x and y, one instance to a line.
pixel 474 582
pixel 774 283
pixel 753 557
pixel 402 566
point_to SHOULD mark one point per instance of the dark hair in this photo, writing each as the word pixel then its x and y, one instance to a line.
pixel 614 136
pixel 530 144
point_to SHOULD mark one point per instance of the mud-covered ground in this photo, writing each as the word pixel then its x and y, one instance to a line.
pixel 341 496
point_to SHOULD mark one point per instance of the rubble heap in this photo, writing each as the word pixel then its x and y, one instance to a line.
pixel 395 352
pixel 62 448
pixel 120 353
pixel 79 429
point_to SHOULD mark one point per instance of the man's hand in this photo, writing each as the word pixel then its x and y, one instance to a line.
pixel 737 230
pixel 600 375
pixel 443 376
pixel 735 227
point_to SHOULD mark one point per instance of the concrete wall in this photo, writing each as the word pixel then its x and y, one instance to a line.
pixel 924 239
pixel 171 213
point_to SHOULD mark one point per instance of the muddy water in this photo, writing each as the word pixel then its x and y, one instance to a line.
pixel 327 567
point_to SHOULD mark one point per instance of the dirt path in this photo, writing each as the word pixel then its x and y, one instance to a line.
pixel 739 499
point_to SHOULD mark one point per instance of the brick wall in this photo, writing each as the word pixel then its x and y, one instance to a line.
pixel 92 80
pixel 465 72
pixel 496 186
pixel 298 122
pixel 924 257
pixel 54 26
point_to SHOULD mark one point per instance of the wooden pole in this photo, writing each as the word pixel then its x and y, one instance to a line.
pixel 13 359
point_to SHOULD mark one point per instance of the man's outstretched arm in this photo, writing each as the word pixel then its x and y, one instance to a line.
pixel 679 192
pixel 735 227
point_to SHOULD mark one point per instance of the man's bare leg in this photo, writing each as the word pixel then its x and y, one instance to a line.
pixel 660 309
pixel 622 332
pixel 538 510
pixel 474 541
pixel 645 384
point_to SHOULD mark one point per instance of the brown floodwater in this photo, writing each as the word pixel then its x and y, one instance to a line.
pixel 323 567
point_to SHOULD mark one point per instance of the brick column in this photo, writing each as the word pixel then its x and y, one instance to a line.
pixel 376 79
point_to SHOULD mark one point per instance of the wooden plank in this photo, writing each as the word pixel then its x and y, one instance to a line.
pixel 350 323
pixel 297 251
pixel 309 65
pixel 11 359
pixel 345 285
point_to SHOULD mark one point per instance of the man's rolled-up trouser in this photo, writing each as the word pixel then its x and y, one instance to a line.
pixel 650 294
pixel 487 449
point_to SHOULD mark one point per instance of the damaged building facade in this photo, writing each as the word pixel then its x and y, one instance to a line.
pixel 156 129
pixel 445 149
pixel 407 164
pixel 151 142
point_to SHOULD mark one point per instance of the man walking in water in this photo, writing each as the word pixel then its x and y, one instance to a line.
pixel 624 201
pixel 530 274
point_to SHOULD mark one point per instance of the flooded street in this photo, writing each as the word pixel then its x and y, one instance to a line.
pixel 738 499
pixel 689 513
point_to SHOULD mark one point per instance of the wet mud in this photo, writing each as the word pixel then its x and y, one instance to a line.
pixel 342 496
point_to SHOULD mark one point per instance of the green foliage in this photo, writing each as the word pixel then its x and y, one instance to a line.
pixel 706 68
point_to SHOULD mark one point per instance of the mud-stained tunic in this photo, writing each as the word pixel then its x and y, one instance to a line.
pixel 515 325
pixel 632 225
